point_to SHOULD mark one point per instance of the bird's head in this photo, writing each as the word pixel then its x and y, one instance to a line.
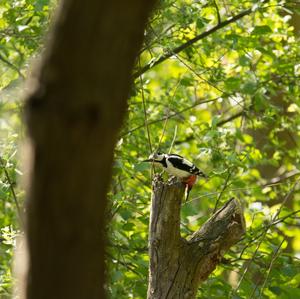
pixel 155 158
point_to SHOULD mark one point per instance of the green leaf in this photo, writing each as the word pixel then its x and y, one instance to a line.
pixel 261 30
pixel 249 87
pixel 233 83
pixel 128 226
pixel 276 290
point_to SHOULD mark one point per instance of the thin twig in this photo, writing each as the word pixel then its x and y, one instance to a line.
pixel 170 116
pixel 219 124
pixel 12 66
pixel 168 113
pixel 145 112
pixel 275 255
pixel 280 220
pixel 129 266
pixel 234 291
pixel 285 217
pixel 173 140
pixel 12 190
pixel 199 76
pixel 263 235
pixel 217 12
pixel 231 118
pixel 192 41
pixel 223 189
pixel 271 265
pixel 285 200
pixel 206 81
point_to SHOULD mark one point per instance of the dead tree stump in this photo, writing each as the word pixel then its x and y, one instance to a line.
pixel 178 266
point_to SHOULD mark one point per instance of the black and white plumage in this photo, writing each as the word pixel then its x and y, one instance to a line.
pixel 178 166
pixel 175 165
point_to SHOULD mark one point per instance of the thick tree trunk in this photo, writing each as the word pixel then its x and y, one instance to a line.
pixel 74 112
pixel 177 265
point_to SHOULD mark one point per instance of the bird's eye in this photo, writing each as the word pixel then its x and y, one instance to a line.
pixel 158 153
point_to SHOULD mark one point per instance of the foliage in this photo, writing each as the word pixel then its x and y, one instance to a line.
pixel 229 102
pixel 22 25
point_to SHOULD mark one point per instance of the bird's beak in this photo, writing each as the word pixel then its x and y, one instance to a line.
pixel 203 175
pixel 148 160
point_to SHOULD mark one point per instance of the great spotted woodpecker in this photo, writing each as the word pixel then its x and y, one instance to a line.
pixel 178 166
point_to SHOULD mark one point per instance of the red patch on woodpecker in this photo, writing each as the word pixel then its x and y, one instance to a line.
pixel 190 181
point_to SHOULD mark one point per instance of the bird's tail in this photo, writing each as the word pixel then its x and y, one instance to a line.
pixel 188 190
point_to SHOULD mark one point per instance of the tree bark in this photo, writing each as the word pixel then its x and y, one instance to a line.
pixel 74 112
pixel 177 265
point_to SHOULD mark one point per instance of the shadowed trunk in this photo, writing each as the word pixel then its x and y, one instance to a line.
pixel 177 265
pixel 74 112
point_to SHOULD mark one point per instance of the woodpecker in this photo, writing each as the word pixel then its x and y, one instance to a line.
pixel 179 167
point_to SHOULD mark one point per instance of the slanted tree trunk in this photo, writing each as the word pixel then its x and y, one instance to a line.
pixel 74 112
pixel 177 265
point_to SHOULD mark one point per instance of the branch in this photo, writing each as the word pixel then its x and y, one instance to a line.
pixel 145 112
pixel 217 235
pixel 12 66
pixel 12 191
pixel 231 118
pixel 152 122
pixel 191 42
pixel 217 11
pixel 219 124
pixel 283 177
pixel 223 189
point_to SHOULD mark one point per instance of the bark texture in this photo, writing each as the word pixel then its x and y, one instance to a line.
pixel 177 265
pixel 74 112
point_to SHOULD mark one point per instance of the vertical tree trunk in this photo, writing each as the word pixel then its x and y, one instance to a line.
pixel 177 265
pixel 74 112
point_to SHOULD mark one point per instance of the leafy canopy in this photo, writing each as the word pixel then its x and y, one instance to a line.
pixel 217 82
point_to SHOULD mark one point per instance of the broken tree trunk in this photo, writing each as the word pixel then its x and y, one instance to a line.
pixel 177 265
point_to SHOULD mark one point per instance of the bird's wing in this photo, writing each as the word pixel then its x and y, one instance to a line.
pixel 175 155
pixel 183 164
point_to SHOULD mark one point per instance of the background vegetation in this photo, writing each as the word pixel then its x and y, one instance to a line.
pixel 217 82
